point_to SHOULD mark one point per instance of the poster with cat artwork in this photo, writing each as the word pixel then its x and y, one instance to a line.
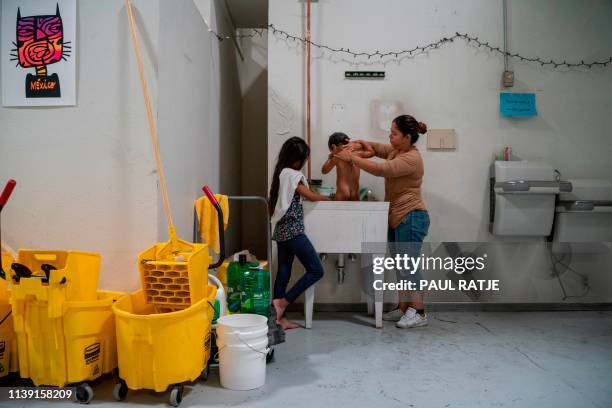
pixel 38 52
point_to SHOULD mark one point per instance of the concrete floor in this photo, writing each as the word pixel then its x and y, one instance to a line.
pixel 462 359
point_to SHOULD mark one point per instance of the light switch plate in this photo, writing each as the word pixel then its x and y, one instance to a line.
pixel 444 139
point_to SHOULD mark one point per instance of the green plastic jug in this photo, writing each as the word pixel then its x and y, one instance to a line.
pixel 235 271
pixel 255 286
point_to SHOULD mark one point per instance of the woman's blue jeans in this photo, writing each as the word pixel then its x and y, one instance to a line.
pixel 407 238
pixel 301 247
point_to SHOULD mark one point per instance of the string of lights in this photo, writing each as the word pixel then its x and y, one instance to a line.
pixel 255 32
pixel 437 44
pixel 473 40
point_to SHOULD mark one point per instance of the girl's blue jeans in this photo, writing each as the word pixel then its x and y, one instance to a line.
pixel 301 247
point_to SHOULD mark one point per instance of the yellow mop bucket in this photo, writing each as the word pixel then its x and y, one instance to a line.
pixel 160 349
pixel 6 260
pixel 9 362
pixel 8 340
pixel 76 346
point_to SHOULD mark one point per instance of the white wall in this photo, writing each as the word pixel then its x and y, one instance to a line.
pixel 85 173
pixel 456 86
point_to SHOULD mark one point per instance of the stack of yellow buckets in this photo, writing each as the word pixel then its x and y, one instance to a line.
pixel 64 326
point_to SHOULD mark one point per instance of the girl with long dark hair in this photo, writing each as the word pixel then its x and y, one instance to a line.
pixel 289 186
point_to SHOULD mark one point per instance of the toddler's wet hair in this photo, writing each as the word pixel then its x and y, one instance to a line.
pixel 338 138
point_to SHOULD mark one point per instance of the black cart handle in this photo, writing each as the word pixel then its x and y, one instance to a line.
pixel 215 203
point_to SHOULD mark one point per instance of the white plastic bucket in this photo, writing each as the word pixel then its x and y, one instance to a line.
pixel 242 340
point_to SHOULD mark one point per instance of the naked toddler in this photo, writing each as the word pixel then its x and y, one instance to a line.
pixel 347 174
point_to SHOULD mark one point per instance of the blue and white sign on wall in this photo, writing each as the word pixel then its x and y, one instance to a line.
pixel 517 104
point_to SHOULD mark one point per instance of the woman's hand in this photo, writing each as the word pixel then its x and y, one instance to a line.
pixel 344 155
pixel 335 149
pixel 358 159
pixel 366 150
pixel 365 145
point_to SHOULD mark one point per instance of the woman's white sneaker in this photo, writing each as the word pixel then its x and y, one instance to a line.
pixel 411 319
pixel 393 316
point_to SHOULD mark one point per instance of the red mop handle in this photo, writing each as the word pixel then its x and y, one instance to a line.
pixel 6 193
pixel 210 195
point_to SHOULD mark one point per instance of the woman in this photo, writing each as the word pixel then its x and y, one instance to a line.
pixel 288 187
pixel 408 217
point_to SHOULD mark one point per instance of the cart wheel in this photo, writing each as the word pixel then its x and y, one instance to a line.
pixel 84 393
pixel 204 375
pixel 270 356
pixel 176 395
pixel 120 391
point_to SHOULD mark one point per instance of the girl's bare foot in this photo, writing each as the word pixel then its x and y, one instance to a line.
pixel 280 305
pixel 288 324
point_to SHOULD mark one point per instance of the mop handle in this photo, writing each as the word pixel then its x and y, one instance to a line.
pixel 150 120
pixel 6 193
